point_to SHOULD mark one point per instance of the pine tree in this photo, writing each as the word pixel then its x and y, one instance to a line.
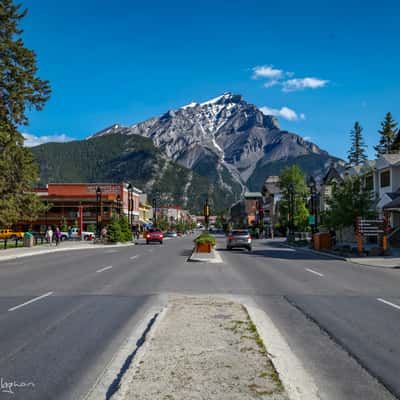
pixel 114 233
pixel 388 134
pixel 396 143
pixel 20 90
pixel 126 233
pixel 356 154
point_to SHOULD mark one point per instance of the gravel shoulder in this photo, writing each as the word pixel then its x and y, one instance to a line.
pixel 202 348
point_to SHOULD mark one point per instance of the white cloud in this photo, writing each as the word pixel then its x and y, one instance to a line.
pixel 32 140
pixel 266 71
pixel 271 83
pixel 284 112
pixel 275 77
pixel 301 83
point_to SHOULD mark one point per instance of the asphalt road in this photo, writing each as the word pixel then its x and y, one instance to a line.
pixel 63 316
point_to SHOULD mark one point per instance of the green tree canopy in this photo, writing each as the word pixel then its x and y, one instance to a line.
pixel 356 154
pixel 388 134
pixel 295 176
pixel 20 89
pixel 349 201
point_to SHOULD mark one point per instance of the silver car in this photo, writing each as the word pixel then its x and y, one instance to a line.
pixel 239 238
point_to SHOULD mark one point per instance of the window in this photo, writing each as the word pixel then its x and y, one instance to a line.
pixel 385 178
pixel 369 182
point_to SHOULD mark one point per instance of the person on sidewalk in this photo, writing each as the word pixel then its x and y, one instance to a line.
pixel 57 235
pixel 69 232
pixel 103 235
pixel 49 235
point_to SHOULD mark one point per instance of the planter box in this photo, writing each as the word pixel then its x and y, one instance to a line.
pixel 204 248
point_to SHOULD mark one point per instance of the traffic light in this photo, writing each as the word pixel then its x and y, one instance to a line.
pixel 206 212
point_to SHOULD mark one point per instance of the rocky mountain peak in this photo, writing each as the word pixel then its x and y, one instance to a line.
pixel 221 137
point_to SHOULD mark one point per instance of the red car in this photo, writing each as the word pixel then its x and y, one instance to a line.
pixel 154 235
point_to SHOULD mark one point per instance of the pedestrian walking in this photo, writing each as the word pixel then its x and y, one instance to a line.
pixel 69 232
pixel 49 235
pixel 137 236
pixel 103 234
pixel 57 236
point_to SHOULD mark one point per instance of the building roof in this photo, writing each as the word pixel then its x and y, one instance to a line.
pixel 332 176
pixel 393 205
pixel 387 160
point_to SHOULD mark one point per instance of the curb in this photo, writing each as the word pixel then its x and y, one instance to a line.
pixel 349 259
pixel 298 383
pixel 127 356
pixel 59 249
pixel 215 259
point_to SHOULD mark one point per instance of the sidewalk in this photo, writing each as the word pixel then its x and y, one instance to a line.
pixel 20 252
pixel 202 348
pixel 379 262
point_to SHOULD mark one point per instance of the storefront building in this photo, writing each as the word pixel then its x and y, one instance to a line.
pixel 88 204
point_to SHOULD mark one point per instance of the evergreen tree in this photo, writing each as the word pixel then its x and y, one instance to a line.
pixel 126 233
pixel 350 200
pixel 20 90
pixel 356 154
pixel 114 233
pixel 396 143
pixel 388 134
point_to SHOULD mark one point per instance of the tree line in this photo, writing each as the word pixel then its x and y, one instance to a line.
pixel 389 141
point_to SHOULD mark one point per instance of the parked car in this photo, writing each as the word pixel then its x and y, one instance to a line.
pixel 86 235
pixel 154 235
pixel 10 234
pixel 171 234
pixel 239 238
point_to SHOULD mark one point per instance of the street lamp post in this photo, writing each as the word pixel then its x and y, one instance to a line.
pixel 130 205
pixel 154 212
pixel 98 210
pixel 291 211
pixel 206 213
pixel 119 205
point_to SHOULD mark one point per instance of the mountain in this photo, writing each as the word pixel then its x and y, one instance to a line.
pixel 229 141
pixel 128 158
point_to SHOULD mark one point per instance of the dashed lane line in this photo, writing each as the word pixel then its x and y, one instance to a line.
pixel 30 301
pixel 314 272
pixel 389 303
pixel 104 269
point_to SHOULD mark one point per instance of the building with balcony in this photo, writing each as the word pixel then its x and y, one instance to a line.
pixel 90 201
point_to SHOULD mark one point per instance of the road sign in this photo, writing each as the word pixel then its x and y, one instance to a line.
pixel 371 227
pixel 311 219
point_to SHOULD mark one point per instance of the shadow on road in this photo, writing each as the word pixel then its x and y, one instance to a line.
pixel 277 250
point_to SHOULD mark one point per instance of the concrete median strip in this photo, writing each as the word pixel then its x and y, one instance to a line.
pixel 206 348
pixel 214 257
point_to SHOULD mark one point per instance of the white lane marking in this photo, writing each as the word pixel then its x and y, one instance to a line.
pixel 133 257
pixel 314 272
pixel 389 303
pixel 30 301
pixel 104 269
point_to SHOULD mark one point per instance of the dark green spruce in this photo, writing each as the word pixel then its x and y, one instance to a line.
pixel 356 154
pixel 20 90
pixel 388 133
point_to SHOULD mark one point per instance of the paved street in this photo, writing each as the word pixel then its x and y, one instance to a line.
pixel 63 316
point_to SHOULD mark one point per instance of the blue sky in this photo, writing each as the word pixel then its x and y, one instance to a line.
pixel 135 59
